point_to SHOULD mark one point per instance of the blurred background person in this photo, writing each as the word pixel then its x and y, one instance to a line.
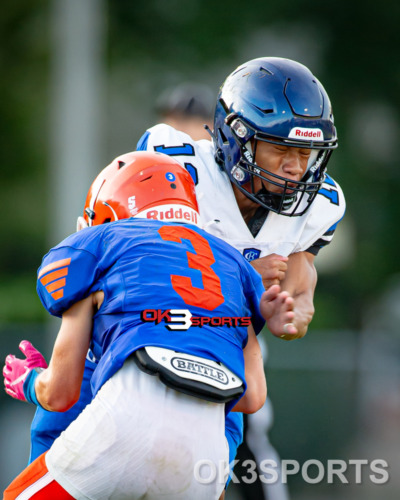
pixel 187 107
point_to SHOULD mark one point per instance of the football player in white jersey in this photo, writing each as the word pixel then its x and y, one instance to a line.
pixel 261 181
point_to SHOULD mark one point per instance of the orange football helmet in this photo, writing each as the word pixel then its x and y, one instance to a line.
pixel 142 184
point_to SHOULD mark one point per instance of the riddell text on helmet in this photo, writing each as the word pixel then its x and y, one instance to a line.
pixel 170 213
pixel 312 133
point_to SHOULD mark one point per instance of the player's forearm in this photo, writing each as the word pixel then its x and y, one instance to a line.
pixel 304 312
pixel 256 392
pixel 254 397
pixel 300 282
pixel 58 387
pixel 55 394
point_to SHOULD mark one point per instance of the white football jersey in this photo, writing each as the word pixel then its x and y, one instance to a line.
pixel 220 213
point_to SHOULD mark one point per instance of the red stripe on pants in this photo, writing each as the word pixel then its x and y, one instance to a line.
pixel 28 477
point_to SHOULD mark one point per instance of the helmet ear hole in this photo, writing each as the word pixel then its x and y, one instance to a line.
pixel 90 213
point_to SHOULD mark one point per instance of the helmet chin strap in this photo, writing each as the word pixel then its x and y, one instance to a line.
pixel 274 200
pixel 218 153
pixel 213 136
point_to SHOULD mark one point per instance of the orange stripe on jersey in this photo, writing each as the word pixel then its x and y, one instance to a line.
pixel 54 265
pixel 33 473
pixel 37 483
pixel 59 294
pixel 54 276
pixel 55 285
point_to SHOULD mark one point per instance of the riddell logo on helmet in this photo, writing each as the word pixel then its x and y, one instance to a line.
pixel 171 213
pixel 306 133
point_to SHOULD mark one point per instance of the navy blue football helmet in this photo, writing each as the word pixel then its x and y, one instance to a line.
pixel 281 102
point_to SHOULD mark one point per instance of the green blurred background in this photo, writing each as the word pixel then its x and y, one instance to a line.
pixel 79 83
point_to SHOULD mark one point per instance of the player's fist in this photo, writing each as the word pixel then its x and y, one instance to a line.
pixel 272 269
pixel 277 308
pixel 16 370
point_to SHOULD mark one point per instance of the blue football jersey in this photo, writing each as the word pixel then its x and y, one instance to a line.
pixel 146 265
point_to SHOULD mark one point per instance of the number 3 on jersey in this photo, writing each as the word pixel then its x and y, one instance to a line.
pixel 210 296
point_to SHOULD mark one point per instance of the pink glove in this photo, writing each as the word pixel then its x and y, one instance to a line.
pixel 16 370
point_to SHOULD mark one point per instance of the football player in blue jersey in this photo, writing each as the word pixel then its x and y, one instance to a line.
pixel 150 295
pixel 271 113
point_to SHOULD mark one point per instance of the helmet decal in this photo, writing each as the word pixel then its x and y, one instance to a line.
pixel 170 176
pixel 171 213
pixel 306 133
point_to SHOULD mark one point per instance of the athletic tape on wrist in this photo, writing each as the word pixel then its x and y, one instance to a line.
pixel 29 387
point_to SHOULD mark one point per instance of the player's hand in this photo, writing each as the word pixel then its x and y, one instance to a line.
pixel 272 269
pixel 16 370
pixel 277 308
